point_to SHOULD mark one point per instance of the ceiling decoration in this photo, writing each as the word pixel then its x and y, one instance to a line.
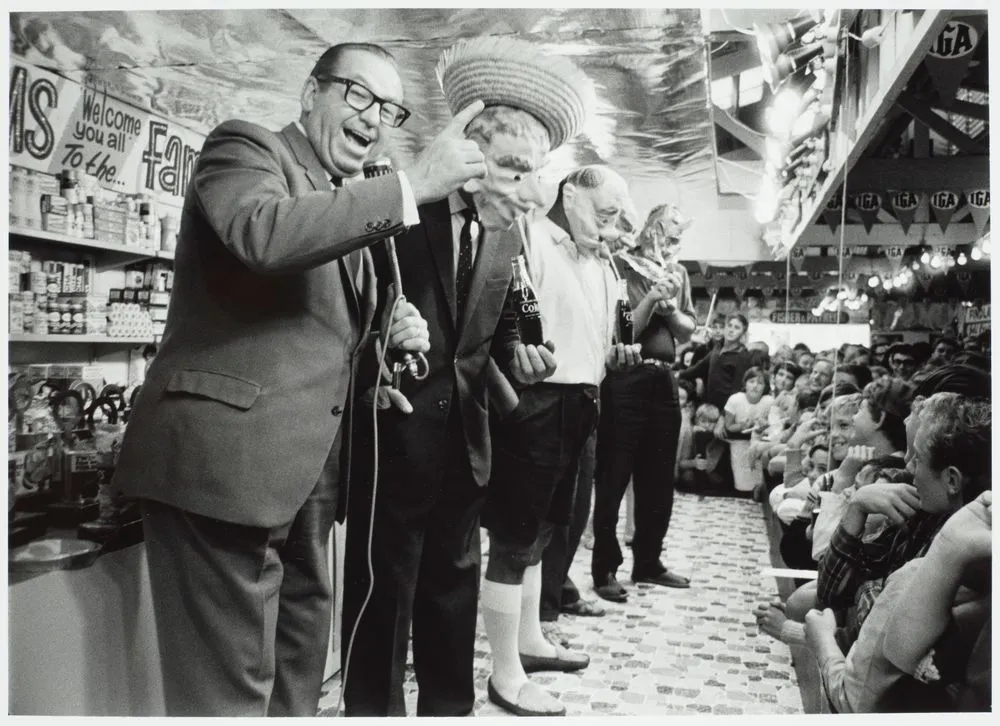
pixel 203 67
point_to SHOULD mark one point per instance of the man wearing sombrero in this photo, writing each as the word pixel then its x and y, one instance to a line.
pixel 434 455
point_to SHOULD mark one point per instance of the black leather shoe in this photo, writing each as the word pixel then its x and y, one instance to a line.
pixel 610 589
pixel 664 577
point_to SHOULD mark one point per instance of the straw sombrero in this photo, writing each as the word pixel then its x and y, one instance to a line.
pixel 513 72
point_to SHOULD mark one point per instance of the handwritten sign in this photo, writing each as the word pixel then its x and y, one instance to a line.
pixel 59 124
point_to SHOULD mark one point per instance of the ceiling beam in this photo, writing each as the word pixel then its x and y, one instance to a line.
pixel 922 112
pixel 920 175
pixel 736 62
pixel 910 55
pixel 890 235
pixel 980 111
pixel 747 136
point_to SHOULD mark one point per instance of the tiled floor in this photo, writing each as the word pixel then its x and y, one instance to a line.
pixel 670 651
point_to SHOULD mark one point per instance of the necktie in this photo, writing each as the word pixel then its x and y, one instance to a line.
pixel 463 273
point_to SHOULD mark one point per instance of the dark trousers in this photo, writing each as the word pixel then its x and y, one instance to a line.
pixel 425 555
pixel 243 613
pixel 557 587
pixel 637 438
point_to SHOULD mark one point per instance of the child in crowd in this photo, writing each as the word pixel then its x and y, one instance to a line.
pixel 745 410
pixel 699 472
pixel 686 401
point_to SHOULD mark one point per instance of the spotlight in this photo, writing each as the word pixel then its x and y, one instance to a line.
pixel 788 63
pixel 962 259
pixel 976 254
pixel 873 281
pixel 925 258
pixel 773 39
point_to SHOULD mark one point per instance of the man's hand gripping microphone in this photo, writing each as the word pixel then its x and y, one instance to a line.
pixel 414 364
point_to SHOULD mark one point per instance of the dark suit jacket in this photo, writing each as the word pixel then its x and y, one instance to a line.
pixel 241 405
pixel 459 358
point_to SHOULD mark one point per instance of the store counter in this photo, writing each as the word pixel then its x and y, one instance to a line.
pixel 83 642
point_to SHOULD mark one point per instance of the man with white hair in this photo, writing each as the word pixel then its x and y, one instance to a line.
pixel 538 445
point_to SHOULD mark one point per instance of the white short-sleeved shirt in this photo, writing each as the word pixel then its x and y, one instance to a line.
pixel 577 297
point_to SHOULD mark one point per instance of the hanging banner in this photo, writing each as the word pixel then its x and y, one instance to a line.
pixel 742 273
pixel 832 211
pixel 895 256
pixel 58 124
pixel 859 251
pixel 948 59
pixel 712 290
pixel 925 277
pixel 943 206
pixel 868 205
pixel 904 205
pixel 979 206
pixel 964 278
pixel 798 256
pixel 703 266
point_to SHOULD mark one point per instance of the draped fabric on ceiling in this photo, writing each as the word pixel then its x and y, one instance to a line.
pixel 201 67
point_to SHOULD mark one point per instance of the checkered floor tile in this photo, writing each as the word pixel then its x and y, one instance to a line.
pixel 669 651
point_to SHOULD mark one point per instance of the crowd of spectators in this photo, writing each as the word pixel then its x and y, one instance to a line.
pixel 876 465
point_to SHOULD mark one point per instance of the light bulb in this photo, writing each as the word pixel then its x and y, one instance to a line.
pixel 925 257
pixel 962 259
pixel 887 284
pixel 976 254
pixel 842 295
pixel 986 246
pixel 817 312
pixel 936 262
pixel 915 266
pixel 873 281
pixel 864 297
pixel 949 262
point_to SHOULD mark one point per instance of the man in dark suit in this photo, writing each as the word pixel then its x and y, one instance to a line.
pixel 434 462
pixel 234 447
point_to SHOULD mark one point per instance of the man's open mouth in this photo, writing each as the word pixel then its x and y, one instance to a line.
pixel 359 139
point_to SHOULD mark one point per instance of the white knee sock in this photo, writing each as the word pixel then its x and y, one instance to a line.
pixel 501 608
pixel 530 639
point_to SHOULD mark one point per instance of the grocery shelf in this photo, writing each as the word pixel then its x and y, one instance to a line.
pixel 108 255
pixel 88 339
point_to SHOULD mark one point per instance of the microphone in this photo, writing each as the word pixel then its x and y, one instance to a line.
pixel 400 361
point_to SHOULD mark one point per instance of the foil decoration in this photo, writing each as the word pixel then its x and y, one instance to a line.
pixel 201 67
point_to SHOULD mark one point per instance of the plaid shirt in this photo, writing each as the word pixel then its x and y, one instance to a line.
pixel 853 572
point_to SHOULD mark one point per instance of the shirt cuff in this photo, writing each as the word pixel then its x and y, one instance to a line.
pixel 411 217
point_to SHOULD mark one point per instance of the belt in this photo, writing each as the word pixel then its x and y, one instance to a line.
pixel 656 362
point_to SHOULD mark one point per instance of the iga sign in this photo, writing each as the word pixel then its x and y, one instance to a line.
pixel 58 124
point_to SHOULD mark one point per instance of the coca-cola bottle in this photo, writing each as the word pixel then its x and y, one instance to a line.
pixel 624 315
pixel 524 304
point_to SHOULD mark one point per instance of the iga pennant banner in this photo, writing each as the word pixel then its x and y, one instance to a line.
pixel 925 277
pixel 979 206
pixel 798 256
pixel 943 206
pixel 904 205
pixel 948 59
pixel 964 278
pixel 895 256
pixel 832 211
pixel 703 266
pixel 868 205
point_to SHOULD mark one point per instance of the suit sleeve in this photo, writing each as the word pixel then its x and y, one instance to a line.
pixel 243 191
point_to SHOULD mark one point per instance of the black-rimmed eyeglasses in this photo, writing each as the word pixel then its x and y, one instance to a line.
pixel 360 98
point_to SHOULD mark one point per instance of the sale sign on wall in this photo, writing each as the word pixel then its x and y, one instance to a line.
pixel 57 124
